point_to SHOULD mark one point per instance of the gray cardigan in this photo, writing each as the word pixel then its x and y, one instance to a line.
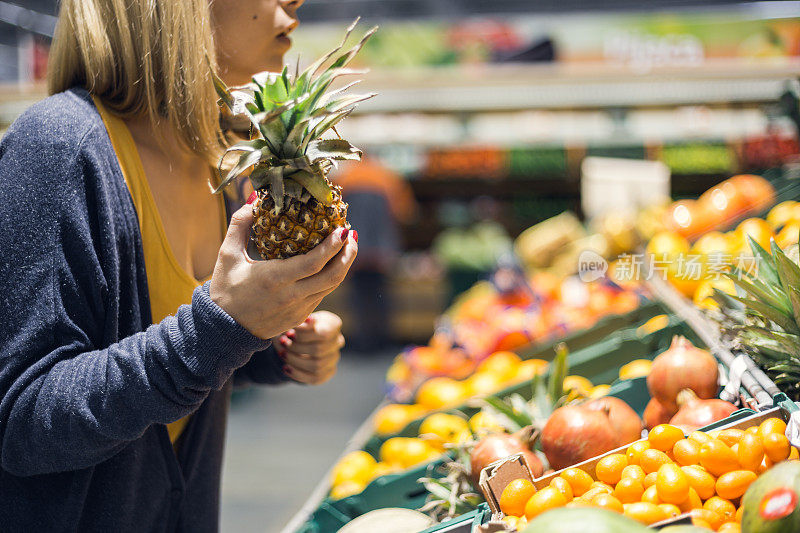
pixel 86 382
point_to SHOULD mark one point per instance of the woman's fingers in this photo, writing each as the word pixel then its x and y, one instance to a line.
pixel 312 371
pixel 309 350
pixel 309 264
pixel 333 273
pixel 238 233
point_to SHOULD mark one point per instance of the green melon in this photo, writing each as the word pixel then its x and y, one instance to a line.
pixel 772 504
pixel 584 520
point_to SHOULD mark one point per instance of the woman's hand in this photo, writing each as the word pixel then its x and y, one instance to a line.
pixel 270 297
pixel 311 350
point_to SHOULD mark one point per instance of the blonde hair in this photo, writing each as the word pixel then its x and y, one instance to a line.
pixel 142 57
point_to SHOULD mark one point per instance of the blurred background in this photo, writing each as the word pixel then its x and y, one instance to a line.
pixel 487 111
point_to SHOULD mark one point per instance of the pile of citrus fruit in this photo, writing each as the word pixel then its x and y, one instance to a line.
pixel 667 474
pixel 498 371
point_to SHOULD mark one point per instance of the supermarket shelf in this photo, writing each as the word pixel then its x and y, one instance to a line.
pixel 513 87
pixel 471 188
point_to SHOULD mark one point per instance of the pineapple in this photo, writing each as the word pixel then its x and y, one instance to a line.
pixel 763 320
pixel 286 157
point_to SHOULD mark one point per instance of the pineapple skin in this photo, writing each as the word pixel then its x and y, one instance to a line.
pixel 299 227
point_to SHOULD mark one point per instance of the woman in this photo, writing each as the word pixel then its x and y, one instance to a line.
pixel 113 394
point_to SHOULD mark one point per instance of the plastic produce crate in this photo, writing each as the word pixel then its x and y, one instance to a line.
pixel 602 329
pixel 393 490
pixel 466 523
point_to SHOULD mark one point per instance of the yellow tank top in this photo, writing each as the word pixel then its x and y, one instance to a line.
pixel 169 285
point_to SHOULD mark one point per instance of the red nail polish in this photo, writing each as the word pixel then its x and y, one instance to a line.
pixel 281 354
pixel 355 235
pixel 291 334
pixel 252 197
pixel 286 369
pixel 284 340
pixel 344 234
pixel 309 320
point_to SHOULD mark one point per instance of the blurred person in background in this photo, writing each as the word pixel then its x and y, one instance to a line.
pixel 379 201
pixel 130 305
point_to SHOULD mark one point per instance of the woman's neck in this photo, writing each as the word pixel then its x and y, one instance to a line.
pixel 159 143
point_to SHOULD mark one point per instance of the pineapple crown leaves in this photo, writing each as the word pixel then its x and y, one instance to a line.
pixel 515 412
pixel 289 114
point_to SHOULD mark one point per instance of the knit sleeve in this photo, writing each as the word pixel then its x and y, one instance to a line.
pixel 71 398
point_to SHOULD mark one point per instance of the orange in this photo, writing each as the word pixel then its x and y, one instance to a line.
pixel 346 488
pixel 633 472
pixel 628 490
pixel 670 509
pixel 530 368
pixel 667 245
pixel 672 484
pixel 562 486
pixel 578 480
pixel 394 417
pixel 605 487
pixel 772 425
pixel 382 469
pixel 711 244
pixel 751 452
pixel 718 458
pixel 776 446
pixel 686 452
pixel 701 481
pixel 722 506
pixel 788 236
pixel 699 436
pixel 650 495
pixel 688 218
pixel 515 496
pixel 544 500
pixel 731 436
pixel 652 459
pixel 794 454
pixel 730 527
pixel 759 192
pixel 441 392
pixel 504 365
pixel 634 451
pixel 590 494
pixel 705 290
pixel 609 468
pixel 483 384
pixel 356 466
pixel 635 369
pixel 733 485
pixel 766 464
pixel 607 501
pixel 701 517
pixel 725 203
pixel 443 428
pixel 692 502
pixel 578 383
pixel 598 391
pixel 644 512
pixel 483 423
pixel 783 213
pixel 758 230
pixel 649 479
pixel 664 436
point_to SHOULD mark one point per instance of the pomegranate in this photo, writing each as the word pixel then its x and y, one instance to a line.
pixel 499 446
pixel 682 366
pixel 625 421
pixel 574 433
pixel 695 413
pixel 656 413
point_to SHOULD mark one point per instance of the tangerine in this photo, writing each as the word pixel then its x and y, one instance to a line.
pixel 444 429
pixel 758 230
pixel 672 484
pixel 440 393
pixel 651 460
pixel 788 236
pixel 502 364
pixel 701 481
pixel 718 458
pixel 515 496
pixel 628 490
pixel 686 452
pixel 664 436
pixel 563 486
pixel 783 213
pixel 579 481
pixel 644 512
pixel 544 500
pixel 635 369
pixel 394 417
pixel 607 501
pixel 776 446
pixel 609 468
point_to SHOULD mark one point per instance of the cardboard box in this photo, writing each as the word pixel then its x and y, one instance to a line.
pixel 495 477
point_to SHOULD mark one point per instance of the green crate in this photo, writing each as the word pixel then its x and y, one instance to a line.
pixel 602 329
pixel 466 523
pixel 393 490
